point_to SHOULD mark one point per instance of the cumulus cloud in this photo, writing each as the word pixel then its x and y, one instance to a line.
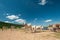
pixel 12 17
pixel 49 20
pixel 7 21
pixel 20 21
pixel 42 2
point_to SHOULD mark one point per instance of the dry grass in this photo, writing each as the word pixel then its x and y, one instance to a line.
pixel 20 34
pixel 57 35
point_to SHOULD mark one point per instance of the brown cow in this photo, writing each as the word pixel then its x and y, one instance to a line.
pixel 55 27
pixel 27 27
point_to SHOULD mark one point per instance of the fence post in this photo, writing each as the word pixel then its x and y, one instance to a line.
pixel 3 28
pixel 12 28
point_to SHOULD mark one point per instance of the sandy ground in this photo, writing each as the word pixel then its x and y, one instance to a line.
pixel 21 35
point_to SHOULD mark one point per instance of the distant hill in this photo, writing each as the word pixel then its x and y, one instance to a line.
pixel 8 25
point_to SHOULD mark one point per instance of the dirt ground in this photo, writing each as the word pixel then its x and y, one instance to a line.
pixel 21 35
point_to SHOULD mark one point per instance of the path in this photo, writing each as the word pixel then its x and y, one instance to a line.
pixel 20 35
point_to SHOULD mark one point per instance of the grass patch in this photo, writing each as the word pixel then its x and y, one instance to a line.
pixel 57 35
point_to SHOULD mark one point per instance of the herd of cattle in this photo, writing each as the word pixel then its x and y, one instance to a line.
pixel 33 28
pixel 54 27
pixel 29 27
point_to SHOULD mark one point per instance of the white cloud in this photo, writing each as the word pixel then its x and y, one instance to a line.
pixel 12 17
pixel 7 21
pixel 43 2
pixel 49 20
pixel 20 21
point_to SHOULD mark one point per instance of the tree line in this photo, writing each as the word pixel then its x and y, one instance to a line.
pixel 8 25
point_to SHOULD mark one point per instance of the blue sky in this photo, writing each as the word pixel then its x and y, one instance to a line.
pixel 36 12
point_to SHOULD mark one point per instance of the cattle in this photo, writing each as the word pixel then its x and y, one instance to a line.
pixel 3 28
pixel 37 28
pixel 55 27
pixel 33 28
pixel 28 27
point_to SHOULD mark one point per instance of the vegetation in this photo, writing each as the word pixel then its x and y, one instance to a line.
pixel 8 25
pixel 57 34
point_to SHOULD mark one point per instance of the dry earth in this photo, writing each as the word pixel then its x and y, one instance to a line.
pixel 22 35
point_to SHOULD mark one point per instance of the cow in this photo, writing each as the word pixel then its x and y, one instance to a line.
pixel 55 27
pixel 32 28
pixel 37 28
pixel 3 28
pixel 28 27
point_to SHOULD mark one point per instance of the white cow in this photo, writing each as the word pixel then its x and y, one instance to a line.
pixel 35 28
